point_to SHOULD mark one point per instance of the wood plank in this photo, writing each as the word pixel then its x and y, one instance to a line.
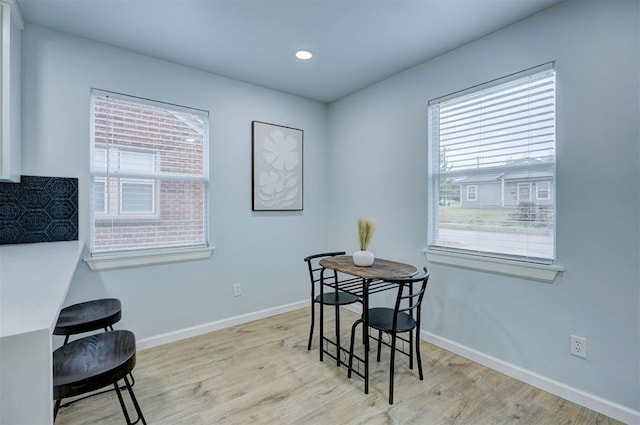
pixel 262 373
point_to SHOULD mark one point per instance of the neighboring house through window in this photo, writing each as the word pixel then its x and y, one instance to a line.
pixel 492 151
pixel 149 171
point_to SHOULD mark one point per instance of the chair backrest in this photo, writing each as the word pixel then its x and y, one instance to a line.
pixel 410 294
pixel 315 268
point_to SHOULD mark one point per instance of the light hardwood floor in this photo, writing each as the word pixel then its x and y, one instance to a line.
pixel 262 373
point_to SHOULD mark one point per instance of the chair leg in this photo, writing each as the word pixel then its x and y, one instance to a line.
pixel 313 319
pixel 418 356
pixel 379 344
pixel 391 366
pixel 337 335
pixel 411 342
pixel 353 337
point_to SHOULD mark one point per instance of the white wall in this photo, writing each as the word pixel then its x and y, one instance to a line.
pixel 378 140
pixel 367 156
pixel 263 251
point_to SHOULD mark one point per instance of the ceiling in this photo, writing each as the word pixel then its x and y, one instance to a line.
pixel 356 42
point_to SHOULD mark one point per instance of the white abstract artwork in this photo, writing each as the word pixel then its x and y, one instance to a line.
pixel 277 167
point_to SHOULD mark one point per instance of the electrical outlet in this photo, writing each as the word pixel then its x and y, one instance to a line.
pixel 579 346
pixel 237 290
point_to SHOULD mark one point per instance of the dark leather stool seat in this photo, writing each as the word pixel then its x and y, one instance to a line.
pixel 88 316
pixel 95 362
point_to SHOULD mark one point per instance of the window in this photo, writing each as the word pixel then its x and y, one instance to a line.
pixel 137 195
pixel 99 198
pixel 543 191
pixel 497 142
pixel 472 193
pixel 524 192
pixel 149 170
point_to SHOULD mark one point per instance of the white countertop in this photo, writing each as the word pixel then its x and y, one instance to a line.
pixel 34 279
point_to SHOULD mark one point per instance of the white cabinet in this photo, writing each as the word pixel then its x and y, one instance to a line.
pixel 10 63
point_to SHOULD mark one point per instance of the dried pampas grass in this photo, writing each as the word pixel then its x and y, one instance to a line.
pixel 366 227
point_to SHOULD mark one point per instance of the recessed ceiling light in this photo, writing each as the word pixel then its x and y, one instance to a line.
pixel 304 54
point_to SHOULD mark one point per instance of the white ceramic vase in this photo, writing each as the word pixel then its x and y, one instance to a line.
pixel 363 258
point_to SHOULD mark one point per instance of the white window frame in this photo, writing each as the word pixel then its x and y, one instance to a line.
pixel 472 195
pixel 100 162
pixel 121 259
pixel 113 204
pixel 147 182
pixel 526 186
pixel 106 197
pixel 544 271
pixel 143 212
pixel 547 190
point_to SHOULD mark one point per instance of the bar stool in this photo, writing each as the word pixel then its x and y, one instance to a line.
pixel 92 363
pixel 88 316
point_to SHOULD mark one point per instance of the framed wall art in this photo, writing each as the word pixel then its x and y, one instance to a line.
pixel 276 167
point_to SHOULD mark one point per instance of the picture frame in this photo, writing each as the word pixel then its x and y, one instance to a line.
pixel 277 165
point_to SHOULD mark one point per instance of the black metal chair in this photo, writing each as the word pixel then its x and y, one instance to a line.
pixel 335 298
pixel 94 362
pixel 404 317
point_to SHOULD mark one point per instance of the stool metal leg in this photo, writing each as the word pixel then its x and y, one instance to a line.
pixel 55 409
pixel 133 399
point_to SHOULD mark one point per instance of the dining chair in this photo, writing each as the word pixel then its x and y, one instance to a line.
pixel 402 318
pixel 335 298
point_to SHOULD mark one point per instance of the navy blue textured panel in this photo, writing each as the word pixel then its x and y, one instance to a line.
pixel 39 209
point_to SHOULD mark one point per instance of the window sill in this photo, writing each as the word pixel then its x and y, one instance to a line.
pixel 541 272
pixel 117 261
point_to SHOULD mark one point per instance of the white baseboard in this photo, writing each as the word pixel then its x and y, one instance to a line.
pixel 166 338
pixel 582 398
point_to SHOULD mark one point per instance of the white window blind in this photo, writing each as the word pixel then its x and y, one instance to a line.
pixel 492 168
pixel 149 175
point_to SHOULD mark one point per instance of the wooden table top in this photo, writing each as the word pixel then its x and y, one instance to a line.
pixel 380 269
